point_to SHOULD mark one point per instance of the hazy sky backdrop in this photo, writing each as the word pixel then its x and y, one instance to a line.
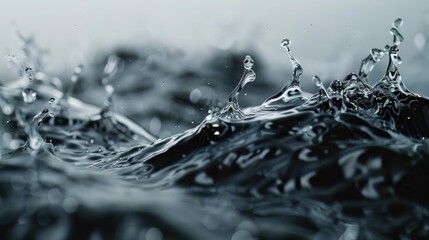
pixel 321 31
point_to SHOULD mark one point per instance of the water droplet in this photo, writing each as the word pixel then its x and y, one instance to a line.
pixel 195 95
pixel 51 101
pixel 248 62
pixel 398 23
pixel 285 42
pixel 109 89
pixel 110 69
pixel 29 95
pixel 30 74
pixel 317 81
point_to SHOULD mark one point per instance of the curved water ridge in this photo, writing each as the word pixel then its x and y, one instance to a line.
pixel 348 162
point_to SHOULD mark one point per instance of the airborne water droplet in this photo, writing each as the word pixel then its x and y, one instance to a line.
pixel 30 74
pixel 29 95
pixel 285 42
pixel 398 23
pixel 51 101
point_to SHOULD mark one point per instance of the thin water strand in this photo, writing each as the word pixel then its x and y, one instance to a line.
pixel 397 36
pixel 322 90
pixel 296 66
pixel 293 88
pixel 232 108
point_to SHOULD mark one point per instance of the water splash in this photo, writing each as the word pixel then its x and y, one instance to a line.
pixel 232 108
pixel 349 161
pixel 369 62
pixel 35 141
pixel 397 37
pixel 292 90
pixel 392 78
pixel 322 90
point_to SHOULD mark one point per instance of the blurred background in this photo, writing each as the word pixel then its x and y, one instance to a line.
pixel 179 59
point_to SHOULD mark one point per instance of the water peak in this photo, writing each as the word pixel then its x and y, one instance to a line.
pixel 232 108
pixel 35 141
pixel 296 66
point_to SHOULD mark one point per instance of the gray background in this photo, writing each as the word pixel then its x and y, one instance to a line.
pixel 329 37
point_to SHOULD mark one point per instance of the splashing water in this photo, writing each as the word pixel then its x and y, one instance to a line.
pixel 291 94
pixel 232 109
pixel 348 162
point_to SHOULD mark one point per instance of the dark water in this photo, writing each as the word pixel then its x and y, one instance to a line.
pixel 347 162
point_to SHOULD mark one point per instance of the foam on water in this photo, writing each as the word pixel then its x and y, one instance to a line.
pixel 347 162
